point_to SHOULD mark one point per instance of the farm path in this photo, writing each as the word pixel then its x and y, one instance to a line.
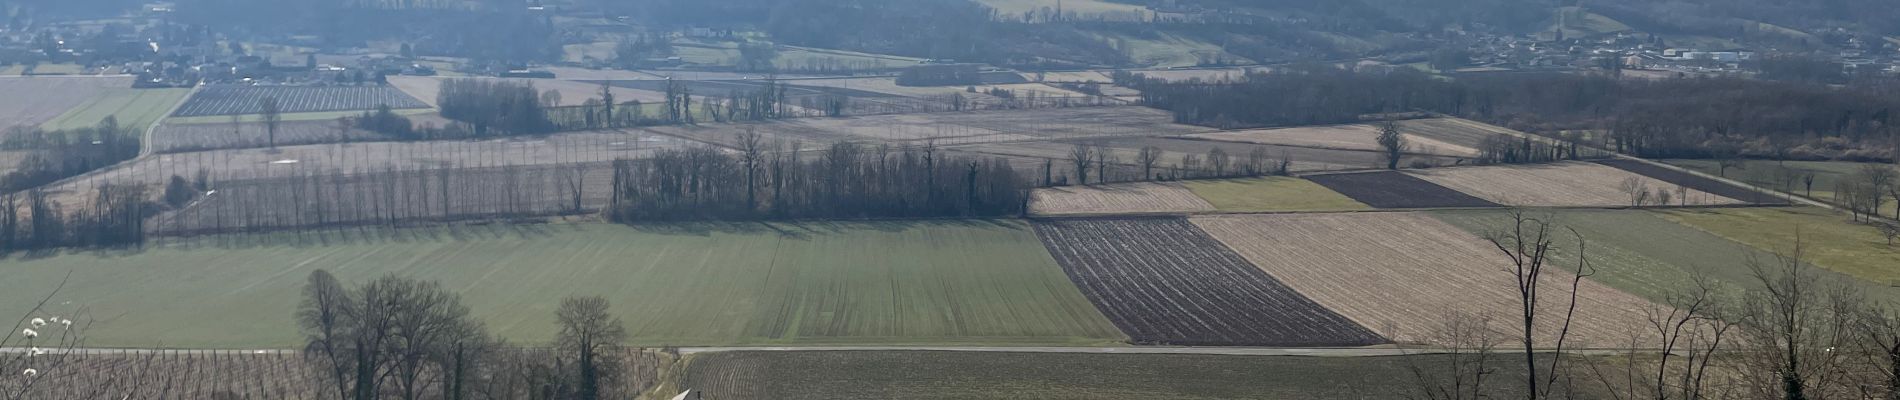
pixel 145 140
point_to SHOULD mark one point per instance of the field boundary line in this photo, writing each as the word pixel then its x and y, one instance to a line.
pixel 1795 198
pixel 1178 214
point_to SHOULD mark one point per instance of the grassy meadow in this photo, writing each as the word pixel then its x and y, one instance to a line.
pixel 953 282
pixel 1828 239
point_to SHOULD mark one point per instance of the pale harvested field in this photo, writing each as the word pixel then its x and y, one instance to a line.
pixel 1116 199
pixel 30 101
pixel 1558 185
pixel 1345 137
pixel 1406 274
pixel 573 93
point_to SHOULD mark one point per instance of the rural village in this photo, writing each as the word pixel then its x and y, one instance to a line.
pixel 949 199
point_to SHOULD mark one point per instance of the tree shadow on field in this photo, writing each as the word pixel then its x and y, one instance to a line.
pixel 808 229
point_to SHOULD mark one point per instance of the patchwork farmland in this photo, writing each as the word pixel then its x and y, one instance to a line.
pixel 240 100
pixel 1566 184
pixel 1163 281
pixel 1394 189
pixel 1406 274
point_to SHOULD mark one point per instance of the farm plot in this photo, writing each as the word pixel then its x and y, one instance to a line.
pixel 1407 274
pixel 1363 137
pixel 171 137
pixel 137 108
pixel 239 100
pixel 1163 281
pixel 1828 239
pixel 1644 254
pixel 1691 181
pixel 1127 198
pixel 1564 184
pixel 1393 189
pixel 895 282
pixel 30 102
pixel 918 375
pixel 1273 193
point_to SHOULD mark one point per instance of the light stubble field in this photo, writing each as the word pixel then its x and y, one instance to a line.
pixel 1125 198
pixel 1560 184
pixel 949 282
pixel 1405 274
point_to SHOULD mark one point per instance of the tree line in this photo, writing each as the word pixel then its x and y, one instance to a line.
pixel 780 180
pixel 1670 118
pixel 54 155
pixel 396 337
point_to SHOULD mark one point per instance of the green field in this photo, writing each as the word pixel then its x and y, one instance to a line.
pixel 1770 174
pixel 1166 50
pixel 1640 252
pixel 950 282
pixel 897 375
pixel 1575 22
pixel 134 108
pixel 1271 194
pixel 1829 240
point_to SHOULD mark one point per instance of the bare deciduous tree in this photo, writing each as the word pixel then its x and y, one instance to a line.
pixel 1392 144
pixel 1796 324
pixel 1529 245
pixel 590 335
pixel 1147 157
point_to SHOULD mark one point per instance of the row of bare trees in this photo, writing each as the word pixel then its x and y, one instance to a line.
pixel 402 338
pixel 1095 163
pixel 844 180
pixel 1791 332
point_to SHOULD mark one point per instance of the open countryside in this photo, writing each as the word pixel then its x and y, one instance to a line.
pixel 934 199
